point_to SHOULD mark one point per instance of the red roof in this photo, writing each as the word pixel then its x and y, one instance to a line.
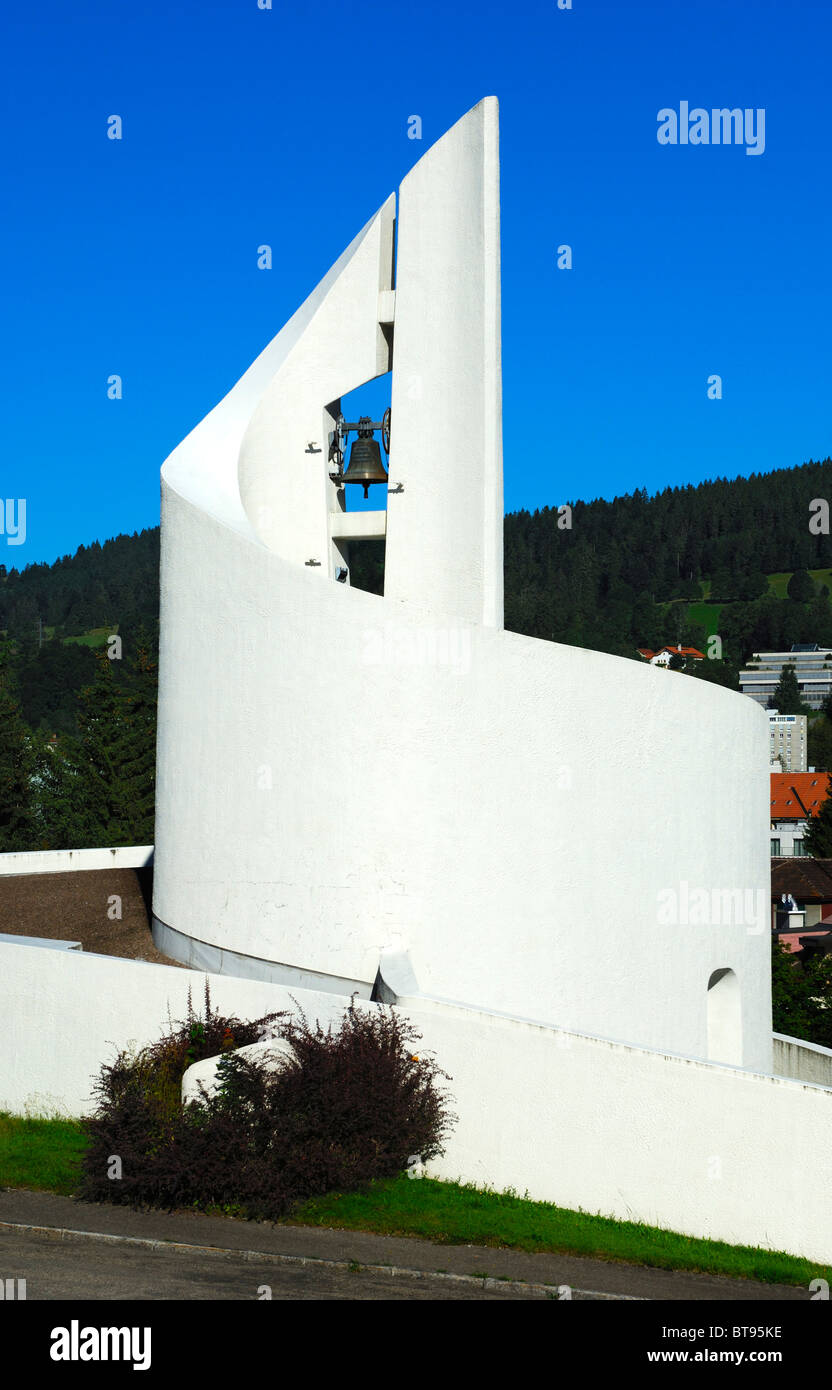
pixel 797 795
pixel 674 651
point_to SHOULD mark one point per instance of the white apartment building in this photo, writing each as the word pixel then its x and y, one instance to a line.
pixel 787 742
pixel 813 668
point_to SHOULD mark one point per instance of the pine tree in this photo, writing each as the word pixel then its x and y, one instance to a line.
pixel 103 740
pixel 16 765
pixel 138 766
pixel 801 587
pixel 786 698
pixel 819 749
pixel 65 809
pixel 817 838
pixel 793 1011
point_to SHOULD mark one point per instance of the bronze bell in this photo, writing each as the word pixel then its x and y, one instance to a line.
pixel 365 465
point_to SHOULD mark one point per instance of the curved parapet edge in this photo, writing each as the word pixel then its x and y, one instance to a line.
pixel 207 467
pixel 445 526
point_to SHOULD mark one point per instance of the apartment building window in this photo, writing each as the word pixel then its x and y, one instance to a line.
pixel 775 848
pixel 798 849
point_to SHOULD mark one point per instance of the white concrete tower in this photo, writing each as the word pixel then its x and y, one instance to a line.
pixel 347 782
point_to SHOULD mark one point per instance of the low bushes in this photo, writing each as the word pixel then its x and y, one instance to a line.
pixel 347 1106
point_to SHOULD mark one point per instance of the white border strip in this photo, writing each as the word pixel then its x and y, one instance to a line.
pixel 61 861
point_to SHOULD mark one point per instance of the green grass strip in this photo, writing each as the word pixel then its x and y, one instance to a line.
pixel 39 1153
pixel 461 1213
pixel 45 1155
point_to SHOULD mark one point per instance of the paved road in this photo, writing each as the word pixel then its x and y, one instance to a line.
pixel 82 1269
pixel 130 1264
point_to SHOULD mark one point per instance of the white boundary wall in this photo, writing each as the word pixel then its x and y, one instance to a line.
pixel 710 1151
pixel 588 1123
pixel 66 1012
pixel 61 861
pixel 802 1061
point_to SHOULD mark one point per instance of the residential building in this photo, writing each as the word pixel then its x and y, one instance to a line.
pixel 795 798
pixel 664 655
pixel 787 742
pixel 805 918
pixel 813 669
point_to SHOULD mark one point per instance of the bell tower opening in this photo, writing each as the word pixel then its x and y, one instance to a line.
pixel 363 485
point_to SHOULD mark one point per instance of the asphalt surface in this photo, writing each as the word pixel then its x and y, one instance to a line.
pixel 65 1248
pixel 82 1270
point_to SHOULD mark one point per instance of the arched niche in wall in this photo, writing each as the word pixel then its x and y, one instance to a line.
pixel 724 1018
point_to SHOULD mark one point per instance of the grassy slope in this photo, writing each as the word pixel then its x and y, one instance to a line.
pixel 46 1154
pixel 456 1214
pixel 707 614
pixel 96 637
pixel 778 583
pixel 43 1154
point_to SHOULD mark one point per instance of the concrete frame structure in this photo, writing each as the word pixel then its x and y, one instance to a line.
pixel 332 794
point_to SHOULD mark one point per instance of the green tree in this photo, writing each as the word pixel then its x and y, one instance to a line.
pixel 118 742
pixel 786 698
pixel 801 587
pixel 718 672
pixel 792 1009
pixel 102 730
pixel 817 839
pixel 819 749
pixel 723 585
pixel 753 585
pixel 16 766
pixel 138 768
pixel 65 802
pixel 817 974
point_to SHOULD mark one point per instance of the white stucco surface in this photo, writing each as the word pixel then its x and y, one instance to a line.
pixel 585 1122
pixel 315 809
pixel 341 775
pixel 445 528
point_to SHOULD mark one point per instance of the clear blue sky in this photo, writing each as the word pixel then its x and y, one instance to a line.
pixel 289 126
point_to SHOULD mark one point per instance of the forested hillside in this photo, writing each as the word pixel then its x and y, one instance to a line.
pixel 100 585
pixel 77 709
pixel 632 572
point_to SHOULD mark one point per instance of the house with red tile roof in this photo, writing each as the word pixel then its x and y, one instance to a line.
pixel 663 655
pixel 795 798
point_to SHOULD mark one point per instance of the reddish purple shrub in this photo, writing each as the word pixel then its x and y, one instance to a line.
pixel 351 1104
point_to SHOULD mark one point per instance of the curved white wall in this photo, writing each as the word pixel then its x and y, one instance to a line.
pixel 341 775
pixel 512 825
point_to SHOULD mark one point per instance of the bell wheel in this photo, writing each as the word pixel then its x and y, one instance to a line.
pixel 385 430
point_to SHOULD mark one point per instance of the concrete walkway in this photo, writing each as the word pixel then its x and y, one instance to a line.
pixel 310 1262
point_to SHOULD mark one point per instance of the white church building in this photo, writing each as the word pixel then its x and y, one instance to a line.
pixel 335 816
